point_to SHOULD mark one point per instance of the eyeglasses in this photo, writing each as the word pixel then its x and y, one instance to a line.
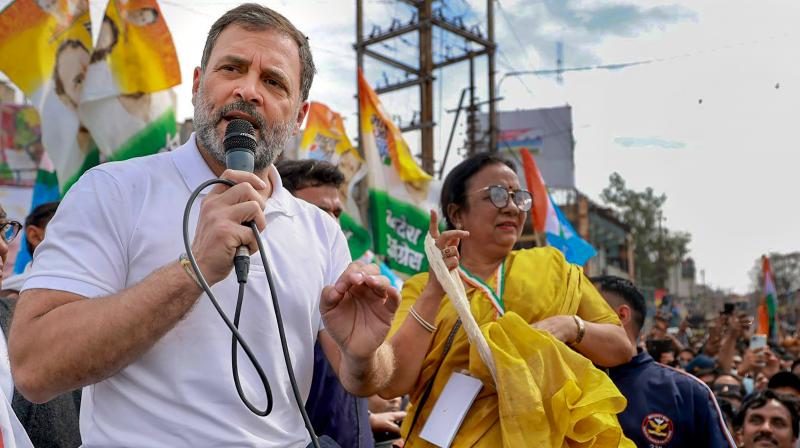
pixel 9 230
pixel 499 195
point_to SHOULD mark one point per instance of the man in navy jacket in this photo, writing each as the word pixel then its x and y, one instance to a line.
pixel 666 407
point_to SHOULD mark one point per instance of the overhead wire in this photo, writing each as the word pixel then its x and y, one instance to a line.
pixel 514 34
pixel 519 43
pixel 656 60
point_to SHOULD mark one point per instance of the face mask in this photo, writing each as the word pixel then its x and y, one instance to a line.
pixel 749 385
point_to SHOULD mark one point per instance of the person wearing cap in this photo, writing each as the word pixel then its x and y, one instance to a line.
pixel 786 383
pixel 666 406
pixel 703 367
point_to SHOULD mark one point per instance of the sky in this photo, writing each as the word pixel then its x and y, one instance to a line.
pixel 709 118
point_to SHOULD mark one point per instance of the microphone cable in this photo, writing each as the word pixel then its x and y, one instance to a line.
pixel 236 336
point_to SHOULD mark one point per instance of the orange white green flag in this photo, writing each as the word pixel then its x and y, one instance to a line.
pixel 400 192
pixel 767 323
pixel 548 218
pixel 127 102
pixel 45 48
pixel 325 138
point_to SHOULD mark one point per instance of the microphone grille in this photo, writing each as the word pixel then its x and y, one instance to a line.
pixel 239 134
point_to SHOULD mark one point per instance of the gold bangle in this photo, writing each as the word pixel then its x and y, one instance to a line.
pixel 187 266
pixel 424 323
pixel 581 329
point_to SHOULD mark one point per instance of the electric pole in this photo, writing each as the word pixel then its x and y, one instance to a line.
pixel 423 22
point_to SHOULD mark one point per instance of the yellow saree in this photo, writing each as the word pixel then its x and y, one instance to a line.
pixel 547 395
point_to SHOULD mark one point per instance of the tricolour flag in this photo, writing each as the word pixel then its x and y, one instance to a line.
pixel 548 218
pixel 45 189
pixel 127 102
pixel 768 308
pixel 400 193
pixel 324 138
pixel 46 48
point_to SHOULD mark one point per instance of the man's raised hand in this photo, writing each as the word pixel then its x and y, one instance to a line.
pixel 358 310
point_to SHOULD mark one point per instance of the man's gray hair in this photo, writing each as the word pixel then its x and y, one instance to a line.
pixel 253 17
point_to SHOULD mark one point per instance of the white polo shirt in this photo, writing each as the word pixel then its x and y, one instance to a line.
pixel 121 222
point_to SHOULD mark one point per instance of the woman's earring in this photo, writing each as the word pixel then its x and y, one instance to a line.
pixel 458 226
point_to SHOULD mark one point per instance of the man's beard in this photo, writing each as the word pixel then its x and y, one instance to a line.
pixel 270 141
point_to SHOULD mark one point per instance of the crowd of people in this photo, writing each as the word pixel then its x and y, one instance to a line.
pixel 112 343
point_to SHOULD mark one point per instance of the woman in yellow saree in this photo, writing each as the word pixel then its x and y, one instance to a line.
pixel 530 304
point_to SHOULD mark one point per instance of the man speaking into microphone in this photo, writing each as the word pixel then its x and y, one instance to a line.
pixel 111 305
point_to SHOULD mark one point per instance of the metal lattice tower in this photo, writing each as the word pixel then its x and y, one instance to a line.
pixel 423 22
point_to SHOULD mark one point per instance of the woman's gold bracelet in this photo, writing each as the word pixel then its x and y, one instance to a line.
pixel 581 329
pixel 425 324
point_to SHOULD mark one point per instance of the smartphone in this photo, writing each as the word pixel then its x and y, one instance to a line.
pixel 728 308
pixel 758 341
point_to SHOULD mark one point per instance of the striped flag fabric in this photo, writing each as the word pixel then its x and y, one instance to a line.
pixel 768 308
pixel 325 138
pixel 548 218
pixel 44 190
pixel 400 192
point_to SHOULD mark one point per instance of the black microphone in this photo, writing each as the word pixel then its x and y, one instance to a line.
pixel 240 148
pixel 240 145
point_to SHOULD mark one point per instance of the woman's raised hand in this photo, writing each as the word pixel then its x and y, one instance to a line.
pixel 447 242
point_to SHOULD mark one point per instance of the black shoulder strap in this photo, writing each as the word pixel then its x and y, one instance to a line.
pixel 429 387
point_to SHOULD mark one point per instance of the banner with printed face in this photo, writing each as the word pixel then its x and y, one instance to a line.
pixel 108 101
pixel 127 102
pixel 46 48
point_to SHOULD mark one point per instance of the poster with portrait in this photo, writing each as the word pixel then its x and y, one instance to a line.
pixel 46 47
pixel 127 102
pixel 105 101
